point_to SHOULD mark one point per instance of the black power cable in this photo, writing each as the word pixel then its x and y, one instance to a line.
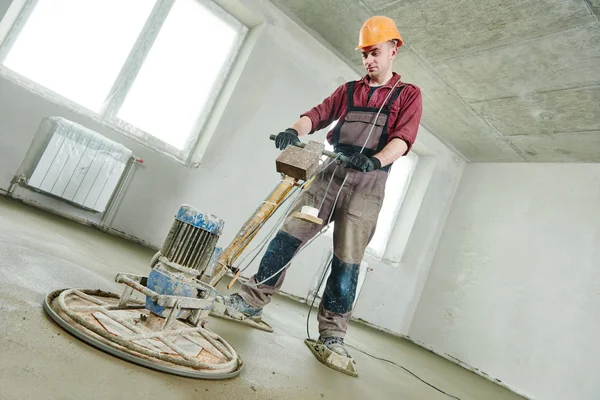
pixel 316 294
pixel 405 369
pixel 360 350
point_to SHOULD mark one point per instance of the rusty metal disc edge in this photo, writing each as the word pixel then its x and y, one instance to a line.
pixel 126 356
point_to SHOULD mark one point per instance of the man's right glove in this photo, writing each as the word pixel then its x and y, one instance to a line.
pixel 360 162
pixel 286 138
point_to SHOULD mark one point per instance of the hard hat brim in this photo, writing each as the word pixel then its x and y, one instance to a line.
pixel 398 44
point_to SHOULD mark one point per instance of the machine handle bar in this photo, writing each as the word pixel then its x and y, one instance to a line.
pixel 327 153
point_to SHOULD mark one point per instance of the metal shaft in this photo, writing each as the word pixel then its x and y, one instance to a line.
pixel 250 229
pixel 253 225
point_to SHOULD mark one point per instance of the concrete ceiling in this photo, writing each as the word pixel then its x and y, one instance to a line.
pixel 510 81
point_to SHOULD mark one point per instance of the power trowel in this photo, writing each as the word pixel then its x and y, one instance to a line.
pixel 159 321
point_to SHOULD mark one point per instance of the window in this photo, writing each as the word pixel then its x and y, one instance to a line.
pixel 395 191
pixel 150 68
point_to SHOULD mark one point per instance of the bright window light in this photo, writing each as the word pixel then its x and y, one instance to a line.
pixel 150 69
pixel 177 78
pixel 77 48
pixel 395 190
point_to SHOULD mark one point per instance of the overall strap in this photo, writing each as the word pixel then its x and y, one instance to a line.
pixel 350 95
pixel 349 107
pixel 394 97
pixel 384 135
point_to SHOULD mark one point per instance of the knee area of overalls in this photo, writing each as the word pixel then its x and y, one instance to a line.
pixel 341 286
pixel 283 242
pixel 280 251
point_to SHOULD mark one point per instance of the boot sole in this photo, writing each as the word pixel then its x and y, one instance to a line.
pixel 333 360
pixel 223 312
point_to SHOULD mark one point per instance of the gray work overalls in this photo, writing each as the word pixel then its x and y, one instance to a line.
pixel 355 216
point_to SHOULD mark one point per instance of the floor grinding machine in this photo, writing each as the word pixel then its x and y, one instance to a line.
pixel 159 321
pixel 163 327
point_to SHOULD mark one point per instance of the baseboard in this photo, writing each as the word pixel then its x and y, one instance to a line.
pixel 424 346
pixel 467 367
pixel 83 221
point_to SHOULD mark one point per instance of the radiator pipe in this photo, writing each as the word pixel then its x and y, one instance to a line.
pixel 17 180
pixel 116 197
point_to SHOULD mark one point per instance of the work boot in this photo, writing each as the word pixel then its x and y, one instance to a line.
pixel 236 302
pixel 335 344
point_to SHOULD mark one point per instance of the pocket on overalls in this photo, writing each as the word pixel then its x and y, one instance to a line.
pixel 366 200
pixel 357 128
pixel 365 206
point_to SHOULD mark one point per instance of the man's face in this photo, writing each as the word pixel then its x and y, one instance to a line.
pixel 378 59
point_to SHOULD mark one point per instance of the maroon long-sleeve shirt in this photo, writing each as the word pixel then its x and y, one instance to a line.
pixel 405 113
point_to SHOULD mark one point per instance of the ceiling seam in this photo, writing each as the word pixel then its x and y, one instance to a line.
pixel 368 7
pixel 386 7
pixel 537 92
pixel 557 133
pixel 596 22
pixel 589 7
pixel 451 89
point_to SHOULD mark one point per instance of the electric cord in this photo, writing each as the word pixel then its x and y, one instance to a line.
pixel 262 244
pixel 377 115
pixel 329 262
pixel 404 369
pixel 329 266
pixel 321 176
pixel 327 188
pixel 312 304
pixel 281 220
pixel 336 197
pixel 278 225
pixel 326 227
pixel 249 238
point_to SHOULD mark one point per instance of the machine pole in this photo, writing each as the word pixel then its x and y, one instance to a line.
pixel 296 163
pixel 250 229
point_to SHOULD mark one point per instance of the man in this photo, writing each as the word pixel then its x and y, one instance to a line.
pixel 378 121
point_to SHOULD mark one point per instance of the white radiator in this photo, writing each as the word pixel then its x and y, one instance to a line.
pixel 78 164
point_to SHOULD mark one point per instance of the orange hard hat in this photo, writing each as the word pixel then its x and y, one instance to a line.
pixel 378 30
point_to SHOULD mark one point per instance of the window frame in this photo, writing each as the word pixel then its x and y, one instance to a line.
pixel 107 116
pixel 398 206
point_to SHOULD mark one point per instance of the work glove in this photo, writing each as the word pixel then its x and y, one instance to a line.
pixel 286 138
pixel 360 162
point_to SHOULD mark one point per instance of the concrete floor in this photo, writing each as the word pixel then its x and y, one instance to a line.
pixel 42 252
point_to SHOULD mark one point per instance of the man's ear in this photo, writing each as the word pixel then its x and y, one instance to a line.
pixel 394 50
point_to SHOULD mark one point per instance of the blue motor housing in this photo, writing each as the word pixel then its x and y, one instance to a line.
pixel 163 281
pixel 189 252
pixel 206 222
pixel 193 238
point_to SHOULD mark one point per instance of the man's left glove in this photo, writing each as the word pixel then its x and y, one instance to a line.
pixel 360 162
pixel 286 138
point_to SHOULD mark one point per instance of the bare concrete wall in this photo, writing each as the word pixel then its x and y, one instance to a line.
pixel 513 289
